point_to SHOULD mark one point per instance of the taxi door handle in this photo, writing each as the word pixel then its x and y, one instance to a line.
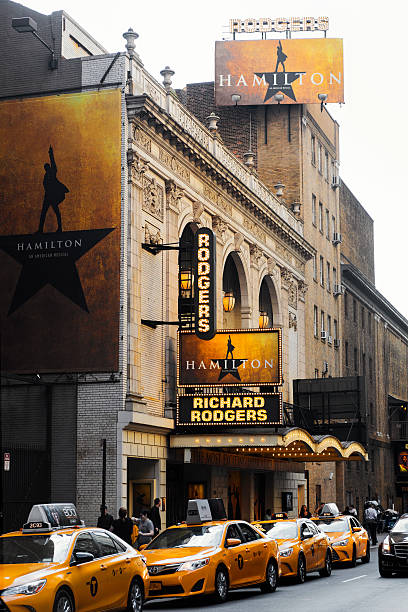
pixel 103 567
pixel 128 560
pixel 247 550
pixel 265 546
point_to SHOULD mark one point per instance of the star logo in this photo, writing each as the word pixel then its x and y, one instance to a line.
pixel 280 82
pixel 229 366
pixel 50 259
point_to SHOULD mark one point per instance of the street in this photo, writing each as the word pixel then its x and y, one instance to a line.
pixel 351 589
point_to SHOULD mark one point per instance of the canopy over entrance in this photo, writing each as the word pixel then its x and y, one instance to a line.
pixel 291 444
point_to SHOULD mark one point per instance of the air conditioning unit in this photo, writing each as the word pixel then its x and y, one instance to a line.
pixel 339 290
pixel 336 343
pixel 337 239
pixel 330 339
pixel 335 182
pixel 323 335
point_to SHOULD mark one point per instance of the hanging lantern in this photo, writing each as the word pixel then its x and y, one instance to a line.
pixel 228 301
pixel 263 319
pixel 185 280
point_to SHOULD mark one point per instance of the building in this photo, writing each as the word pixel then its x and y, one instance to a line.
pixel 89 354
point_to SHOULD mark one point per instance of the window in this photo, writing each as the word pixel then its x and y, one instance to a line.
pixel 249 534
pixel 314 268
pixel 328 277
pixel 362 318
pixel 333 226
pixel 329 325
pixel 233 532
pixel 346 305
pixel 371 413
pixel 313 149
pixel 355 360
pixel 316 373
pixel 321 217
pixel 334 277
pixel 326 166
pixel 322 321
pixel 327 225
pixel 314 218
pixel 370 369
pixel 363 362
pixel 315 320
pixel 86 543
pixel 335 330
pixel 319 158
pixel 319 492
pixel 369 322
pixel 354 311
pixel 321 271
pixel 346 355
pixel 105 543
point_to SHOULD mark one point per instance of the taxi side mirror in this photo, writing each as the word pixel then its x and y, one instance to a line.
pixel 233 542
pixel 82 557
pixel 142 546
pixel 306 535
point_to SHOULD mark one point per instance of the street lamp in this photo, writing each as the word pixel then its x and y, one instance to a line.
pixel 228 301
pixel 26 24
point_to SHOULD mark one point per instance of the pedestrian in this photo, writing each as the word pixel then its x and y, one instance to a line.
pixel 154 515
pixel 304 512
pixel 353 511
pixel 146 529
pixel 370 520
pixel 105 520
pixel 123 526
pixel 268 514
pixel 318 509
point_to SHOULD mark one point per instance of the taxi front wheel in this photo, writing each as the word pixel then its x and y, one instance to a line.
pixel 135 597
pixel 327 569
pixel 63 602
pixel 221 585
pixel 271 578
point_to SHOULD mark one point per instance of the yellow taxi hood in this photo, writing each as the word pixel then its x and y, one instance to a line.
pixel 286 542
pixel 14 574
pixel 175 555
pixel 337 535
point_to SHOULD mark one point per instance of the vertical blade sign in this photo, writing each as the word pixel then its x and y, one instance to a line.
pixel 204 283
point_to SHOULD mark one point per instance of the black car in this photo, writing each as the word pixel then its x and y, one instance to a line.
pixel 393 551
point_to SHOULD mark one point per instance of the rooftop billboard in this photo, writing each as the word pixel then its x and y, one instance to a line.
pixel 289 71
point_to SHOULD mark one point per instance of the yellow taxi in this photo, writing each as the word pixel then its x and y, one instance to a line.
pixel 55 563
pixel 210 556
pixel 303 548
pixel 348 538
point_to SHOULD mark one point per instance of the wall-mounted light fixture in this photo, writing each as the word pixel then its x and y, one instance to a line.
pixel 263 319
pixel 26 24
pixel 279 97
pixel 322 97
pixel 235 98
pixel 228 301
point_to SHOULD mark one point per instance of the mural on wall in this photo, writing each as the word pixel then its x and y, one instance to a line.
pixel 60 172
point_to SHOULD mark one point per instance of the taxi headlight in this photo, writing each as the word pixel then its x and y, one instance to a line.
pixel 341 542
pixel 30 588
pixel 386 545
pixel 193 565
pixel 286 553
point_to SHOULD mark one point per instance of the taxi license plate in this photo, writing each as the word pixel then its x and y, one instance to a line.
pixel 155 586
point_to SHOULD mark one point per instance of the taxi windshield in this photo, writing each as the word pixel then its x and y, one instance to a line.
pixel 280 530
pixel 401 525
pixel 204 536
pixel 330 526
pixel 34 548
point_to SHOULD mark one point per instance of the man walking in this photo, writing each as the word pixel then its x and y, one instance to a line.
pixel 105 520
pixel 370 519
pixel 155 516
pixel 123 526
pixel 146 529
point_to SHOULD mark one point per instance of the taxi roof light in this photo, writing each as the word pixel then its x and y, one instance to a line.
pixel 47 517
pixel 203 510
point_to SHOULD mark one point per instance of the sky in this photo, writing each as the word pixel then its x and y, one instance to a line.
pixel 373 128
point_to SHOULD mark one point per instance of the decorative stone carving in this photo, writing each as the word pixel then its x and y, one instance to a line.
pixel 254 229
pixel 220 228
pixel 302 287
pixel 255 254
pixel 142 139
pixel 286 278
pixel 238 240
pixel 293 294
pixel 173 163
pixel 292 321
pixel 198 209
pixel 137 166
pixel 153 197
pixel 173 195
pixel 271 266
pixel 152 235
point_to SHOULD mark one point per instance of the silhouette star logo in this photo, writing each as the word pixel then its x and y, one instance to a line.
pixel 280 82
pixel 50 259
pixel 229 365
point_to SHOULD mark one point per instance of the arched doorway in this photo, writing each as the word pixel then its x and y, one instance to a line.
pixel 268 304
pixel 234 283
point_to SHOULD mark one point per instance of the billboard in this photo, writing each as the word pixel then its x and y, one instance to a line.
pixel 237 410
pixel 232 358
pixel 60 171
pixel 297 69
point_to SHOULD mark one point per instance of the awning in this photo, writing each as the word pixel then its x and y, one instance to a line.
pixel 293 444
